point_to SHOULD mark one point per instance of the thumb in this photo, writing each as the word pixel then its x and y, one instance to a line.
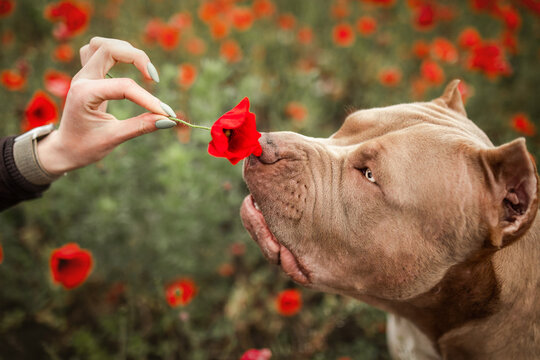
pixel 137 126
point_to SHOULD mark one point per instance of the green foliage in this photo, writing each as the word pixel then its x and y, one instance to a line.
pixel 157 209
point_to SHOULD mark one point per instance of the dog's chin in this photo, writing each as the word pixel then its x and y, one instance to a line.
pixel 273 250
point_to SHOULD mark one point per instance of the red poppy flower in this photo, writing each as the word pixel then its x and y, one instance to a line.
pixel 366 25
pixel 296 111
pixel 169 37
pixel 263 8
pixel 187 73
pixel 7 37
pixel 219 29
pixel 242 18
pixel 226 270
pixel 419 87
pixel 1 254
pixel 180 292
pixel 509 41
pixel 12 80
pixel 208 11
pixel 444 50
pixel 465 90
pixel 231 51
pixel 70 265
pixel 289 302
pixel 257 354
pixel 63 53
pixel 343 34
pixel 152 30
pixel 510 16
pixel 195 46
pixel 484 5
pixel 340 9
pixel 41 110
pixel 424 17
pixel 57 83
pixel 469 38
pixel 386 3
pixel 432 72
pixel 73 16
pixel 522 124
pixel 6 8
pixel 421 49
pixel 234 134
pixel 286 21
pixel 533 5
pixel 390 77
pixel 181 20
pixel 489 58
pixel 305 35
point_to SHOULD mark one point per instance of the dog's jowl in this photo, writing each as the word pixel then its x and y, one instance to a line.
pixel 412 209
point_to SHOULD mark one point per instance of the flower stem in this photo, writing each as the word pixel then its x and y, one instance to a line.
pixel 173 118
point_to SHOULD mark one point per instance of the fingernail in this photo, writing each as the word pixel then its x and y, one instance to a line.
pixel 153 72
pixel 165 124
pixel 167 109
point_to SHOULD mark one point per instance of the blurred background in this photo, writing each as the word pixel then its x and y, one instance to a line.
pixel 160 216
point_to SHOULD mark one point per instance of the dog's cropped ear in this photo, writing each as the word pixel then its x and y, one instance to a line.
pixel 512 188
pixel 451 98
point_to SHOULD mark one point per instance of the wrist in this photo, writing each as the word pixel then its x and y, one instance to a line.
pixel 52 156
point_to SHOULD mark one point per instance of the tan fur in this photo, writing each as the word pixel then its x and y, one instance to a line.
pixel 446 238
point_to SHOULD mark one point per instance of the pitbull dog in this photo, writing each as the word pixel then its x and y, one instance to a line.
pixel 409 208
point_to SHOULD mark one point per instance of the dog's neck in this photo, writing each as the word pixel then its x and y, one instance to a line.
pixel 484 292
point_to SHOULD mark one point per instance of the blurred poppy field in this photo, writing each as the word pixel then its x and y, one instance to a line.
pixel 143 255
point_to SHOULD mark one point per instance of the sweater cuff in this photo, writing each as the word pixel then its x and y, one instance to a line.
pixel 27 162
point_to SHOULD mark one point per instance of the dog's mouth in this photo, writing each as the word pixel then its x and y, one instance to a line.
pixel 273 250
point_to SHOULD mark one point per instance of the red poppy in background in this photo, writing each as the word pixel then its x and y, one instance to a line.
pixel 231 51
pixel 235 135
pixel 152 30
pixel 432 72
pixel 444 50
pixel 12 80
pixel 296 111
pixel 73 16
pixel 510 16
pixel 181 20
pixel 289 302
pixel 421 49
pixel 533 5
pixel 380 2
pixel 187 73
pixel 219 29
pixel 484 5
pixel 7 37
pixel 57 83
pixel 390 77
pixel 41 110
pixel 257 354
pixel 242 18
pixel 509 41
pixel 1 254
pixel 366 25
pixel 286 21
pixel 195 46
pixel 343 35
pixel 6 8
pixel 263 8
pixel 305 35
pixel 424 16
pixel 63 53
pixel 340 9
pixel 469 38
pixel 180 292
pixel 208 11
pixel 489 58
pixel 70 265
pixel 465 90
pixel 169 37
pixel 522 124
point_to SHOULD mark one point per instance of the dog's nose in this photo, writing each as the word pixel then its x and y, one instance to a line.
pixel 270 151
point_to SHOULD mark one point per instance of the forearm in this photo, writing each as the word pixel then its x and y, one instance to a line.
pixel 18 179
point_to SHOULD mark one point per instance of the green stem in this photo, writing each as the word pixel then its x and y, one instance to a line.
pixel 173 118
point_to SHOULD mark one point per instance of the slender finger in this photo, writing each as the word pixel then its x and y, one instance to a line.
pixel 103 53
pixel 102 90
pixel 136 126
pixel 85 54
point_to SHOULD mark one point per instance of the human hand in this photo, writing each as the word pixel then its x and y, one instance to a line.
pixel 87 133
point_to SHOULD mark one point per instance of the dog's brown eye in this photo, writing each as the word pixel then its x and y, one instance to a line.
pixel 368 174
